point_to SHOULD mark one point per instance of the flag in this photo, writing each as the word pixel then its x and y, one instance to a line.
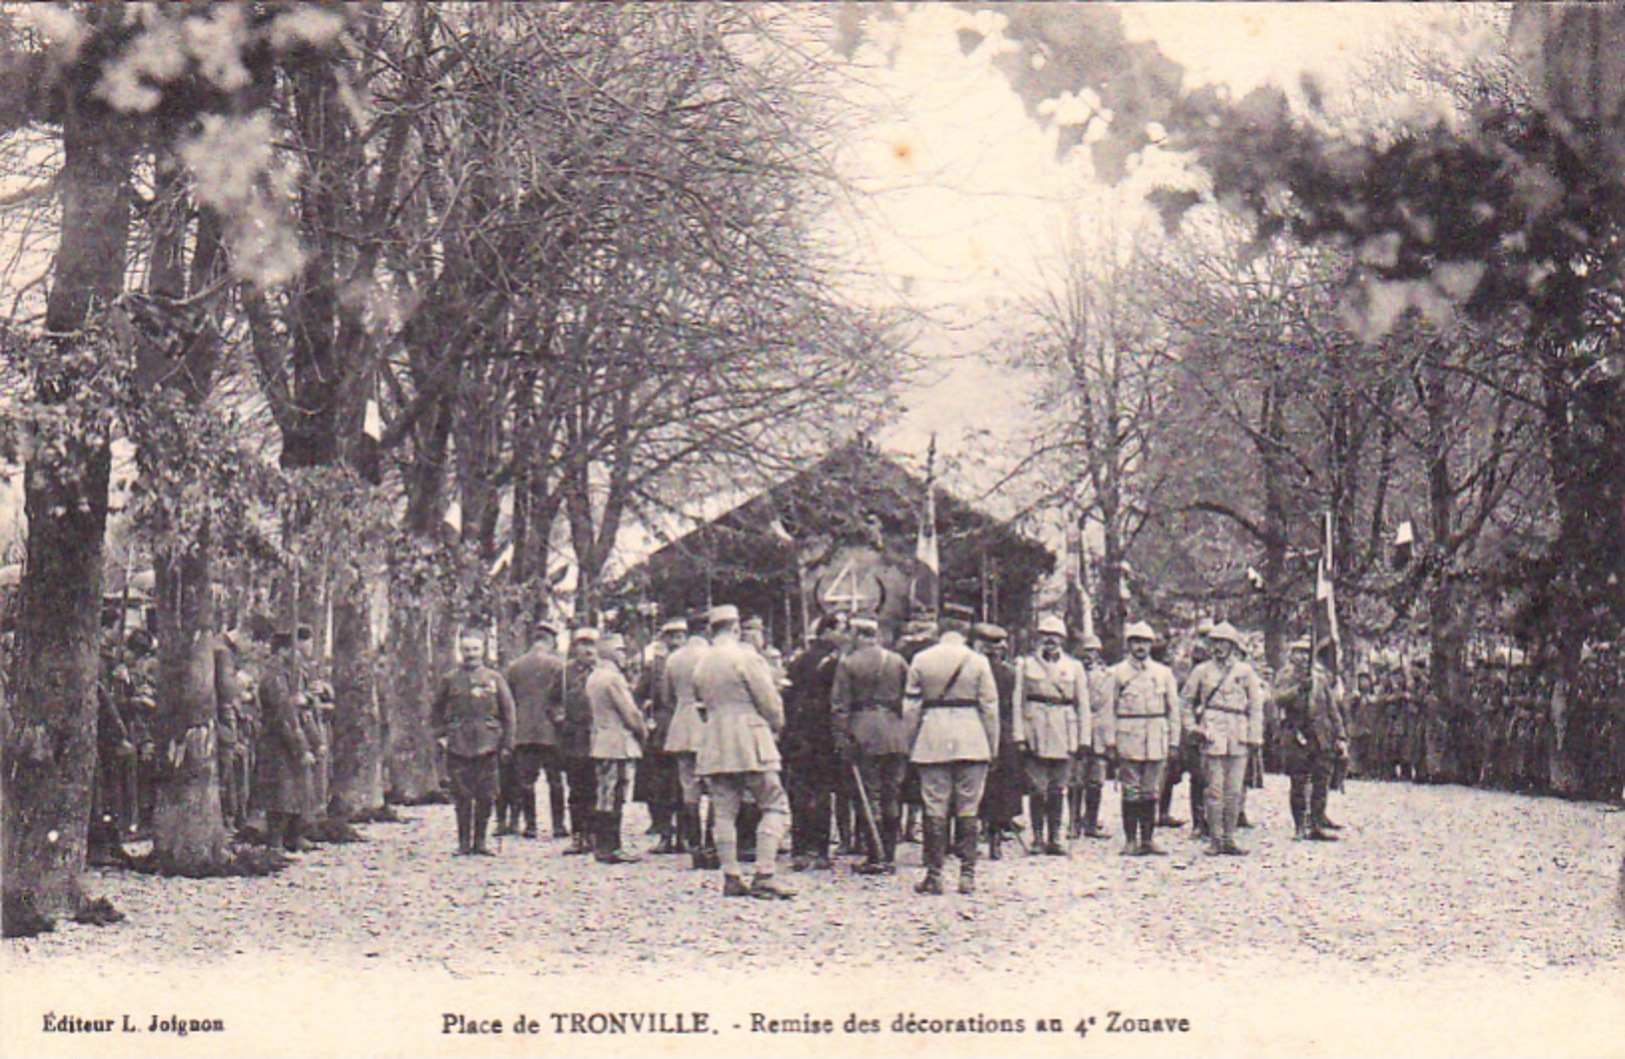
pixel 1404 542
pixel 1325 622
pixel 923 593
pixel 1075 606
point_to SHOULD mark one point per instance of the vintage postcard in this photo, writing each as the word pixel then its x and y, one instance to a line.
pixel 877 529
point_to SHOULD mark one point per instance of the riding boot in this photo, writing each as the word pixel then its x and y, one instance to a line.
pixel 465 824
pixel 969 842
pixel 932 839
pixel 1074 797
pixel 1056 846
pixel 274 824
pixel 482 821
pixel 995 842
pixel 1091 813
pixel 527 810
pixel 1131 828
pixel 1038 814
pixel 1148 831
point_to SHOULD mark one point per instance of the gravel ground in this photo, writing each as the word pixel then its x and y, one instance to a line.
pixel 1427 879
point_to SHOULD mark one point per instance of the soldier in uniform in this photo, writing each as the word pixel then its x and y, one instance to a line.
pixel 536 681
pixel 473 714
pixel 115 761
pixel 951 703
pixel 1007 775
pixel 314 718
pixel 1225 703
pixel 866 705
pixel 231 732
pixel 1051 719
pixel 683 736
pixel 1145 726
pixel 739 754
pixel 813 768
pixel 287 759
pixel 1190 750
pixel 1091 773
pixel 575 740
pixel 1312 727
pixel 657 773
pixel 618 731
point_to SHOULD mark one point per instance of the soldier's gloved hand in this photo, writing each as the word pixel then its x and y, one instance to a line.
pixel 1021 746
pixel 148 751
pixel 309 759
pixel 125 748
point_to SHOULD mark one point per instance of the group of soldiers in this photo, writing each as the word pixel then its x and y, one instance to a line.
pixel 852 731
pixel 855 745
pixel 272 740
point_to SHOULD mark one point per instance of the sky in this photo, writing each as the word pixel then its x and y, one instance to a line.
pixel 965 198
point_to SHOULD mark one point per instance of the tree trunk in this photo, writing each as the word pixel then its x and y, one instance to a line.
pixel 49 730
pixel 358 775
pixel 189 830
pixel 411 753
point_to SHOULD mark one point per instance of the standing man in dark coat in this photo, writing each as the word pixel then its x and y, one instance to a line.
pixel 473 714
pixel 536 680
pixel 866 705
pixel 1007 777
pixel 287 761
pixel 812 766
pixel 657 773
pixel 575 739
pixel 1312 728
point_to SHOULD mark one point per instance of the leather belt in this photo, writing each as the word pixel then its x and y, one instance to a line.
pixel 950 704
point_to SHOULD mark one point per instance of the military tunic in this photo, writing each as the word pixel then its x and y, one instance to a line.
pixel 1052 714
pixel 473 711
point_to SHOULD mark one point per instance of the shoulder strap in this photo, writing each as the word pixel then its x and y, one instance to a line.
pixel 954 677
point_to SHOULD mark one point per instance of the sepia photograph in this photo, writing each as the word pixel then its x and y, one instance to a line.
pixel 812 529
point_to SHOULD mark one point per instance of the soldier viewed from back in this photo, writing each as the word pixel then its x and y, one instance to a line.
pixel 867 713
pixel 952 706
pixel 286 759
pixel 536 681
pixel 1314 737
pixel 575 740
pixel 1225 700
pixel 1050 721
pixel 1145 730
pixel 739 754
pixel 812 769
pixel 618 732
pixel 657 773
pixel 683 735
pixel 1006 775
pixel 473 714
pixel 1091 773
